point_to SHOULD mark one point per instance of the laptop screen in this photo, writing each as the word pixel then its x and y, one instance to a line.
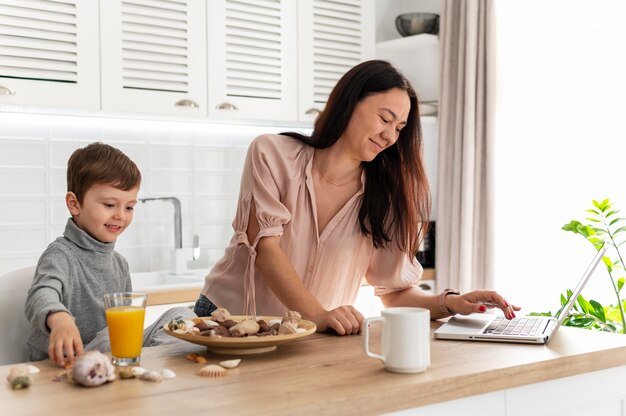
pixel 581 284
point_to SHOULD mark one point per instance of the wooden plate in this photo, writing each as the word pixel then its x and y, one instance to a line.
pixel 245 345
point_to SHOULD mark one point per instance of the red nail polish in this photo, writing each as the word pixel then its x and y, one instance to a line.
pixel 483 308
pixel 513 314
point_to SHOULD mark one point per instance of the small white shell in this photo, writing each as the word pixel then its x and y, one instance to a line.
pixel 273 321
pixel 137 371
pixel 32 369
pixel 300 330
pixel 212 371
pixel 167 373
pixel 230 363
pixel 210 323
pixel 151 376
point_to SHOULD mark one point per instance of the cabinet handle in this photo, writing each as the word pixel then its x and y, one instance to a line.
pixel 6 90
pixel 312 112
pixel 187 103
pixel 226 106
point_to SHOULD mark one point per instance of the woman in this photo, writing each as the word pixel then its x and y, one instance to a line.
pixel 317 214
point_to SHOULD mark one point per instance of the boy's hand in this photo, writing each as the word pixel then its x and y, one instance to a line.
pixel 65 338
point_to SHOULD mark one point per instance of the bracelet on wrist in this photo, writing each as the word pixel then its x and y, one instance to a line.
pixel 445 311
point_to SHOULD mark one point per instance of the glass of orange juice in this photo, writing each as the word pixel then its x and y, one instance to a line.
pixel 125 314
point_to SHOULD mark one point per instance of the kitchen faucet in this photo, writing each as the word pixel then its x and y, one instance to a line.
pixel 178 222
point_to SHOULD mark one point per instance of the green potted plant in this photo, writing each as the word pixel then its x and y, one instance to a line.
pixel 603 226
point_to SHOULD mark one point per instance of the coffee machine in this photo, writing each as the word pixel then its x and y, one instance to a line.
pixel 426 252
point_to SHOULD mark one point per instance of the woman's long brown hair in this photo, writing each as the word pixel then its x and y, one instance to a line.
pixel 396 202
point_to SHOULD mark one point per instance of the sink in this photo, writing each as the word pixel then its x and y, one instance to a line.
pixel 158 281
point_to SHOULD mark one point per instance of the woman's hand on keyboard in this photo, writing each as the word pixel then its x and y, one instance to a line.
pixel 479 301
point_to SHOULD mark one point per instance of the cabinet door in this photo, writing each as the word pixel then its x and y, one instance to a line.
pixel 49 53
pixel 252 59
pixel 153 56
pixel 333 36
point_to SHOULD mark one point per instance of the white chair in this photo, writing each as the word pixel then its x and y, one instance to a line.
pixel 14 327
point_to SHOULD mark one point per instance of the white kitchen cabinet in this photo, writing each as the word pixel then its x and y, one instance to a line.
pixel 154 56
pixel 416 56
pixel 418 59
pixel 333 36
pixel 49 53
pixel 252 59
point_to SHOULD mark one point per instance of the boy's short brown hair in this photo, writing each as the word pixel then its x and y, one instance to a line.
pixel 99 163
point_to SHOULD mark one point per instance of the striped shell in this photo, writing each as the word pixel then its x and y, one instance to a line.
pixel 212 371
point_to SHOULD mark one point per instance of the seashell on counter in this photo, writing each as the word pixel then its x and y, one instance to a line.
pixel 137 371
pixel 212 371
pixel 19 377
pixel 92 369
pixel 168 374
pixel 230 363
pixel 151 376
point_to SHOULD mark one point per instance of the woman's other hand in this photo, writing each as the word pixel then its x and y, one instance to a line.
pixel 479 301
pixel 344 320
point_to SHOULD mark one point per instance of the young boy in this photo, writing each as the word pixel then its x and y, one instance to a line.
pixel 65 302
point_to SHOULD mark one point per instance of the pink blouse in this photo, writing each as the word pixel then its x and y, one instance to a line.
pixel 277 177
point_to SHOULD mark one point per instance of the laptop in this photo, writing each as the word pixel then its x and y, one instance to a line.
pixel 526 329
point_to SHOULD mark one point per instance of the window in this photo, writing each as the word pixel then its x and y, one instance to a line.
pixel 560 141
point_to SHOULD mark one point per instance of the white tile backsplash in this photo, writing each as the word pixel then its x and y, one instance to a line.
pixel 207 209
pixel 170 183
pixel 20 182
pixel 213 159
pixel 170 158
pixel 22 154
pixel 23 211
pixel 198 163
pixel 58 182
pixel 215 183
pixel 23 240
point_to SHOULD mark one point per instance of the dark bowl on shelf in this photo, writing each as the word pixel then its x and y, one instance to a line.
pixel 409 24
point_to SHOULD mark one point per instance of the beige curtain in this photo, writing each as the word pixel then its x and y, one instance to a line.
pixel 465 202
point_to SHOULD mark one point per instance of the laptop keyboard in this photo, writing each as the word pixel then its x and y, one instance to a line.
pixel 526 326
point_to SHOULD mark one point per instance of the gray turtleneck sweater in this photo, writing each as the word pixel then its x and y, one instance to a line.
pixel 72 275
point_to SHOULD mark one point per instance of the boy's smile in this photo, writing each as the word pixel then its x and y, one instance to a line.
pixel 105 211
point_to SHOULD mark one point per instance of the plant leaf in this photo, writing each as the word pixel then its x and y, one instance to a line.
pixel 615 211
pixel 599 310
pixel 580 321
pixel 616 220
pixel 592 211
pixel 593 219
pixel 619 230
pixel 612 314
pixel 596 204
pixel 571 226
pixel 585 306
pixel 620 284
pixel 604 205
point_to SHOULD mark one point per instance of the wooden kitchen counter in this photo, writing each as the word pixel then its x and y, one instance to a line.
pixel 320 374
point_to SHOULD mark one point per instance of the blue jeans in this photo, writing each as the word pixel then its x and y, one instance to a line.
pixel 204 307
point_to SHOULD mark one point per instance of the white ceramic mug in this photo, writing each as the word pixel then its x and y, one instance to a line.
pixel 405 339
